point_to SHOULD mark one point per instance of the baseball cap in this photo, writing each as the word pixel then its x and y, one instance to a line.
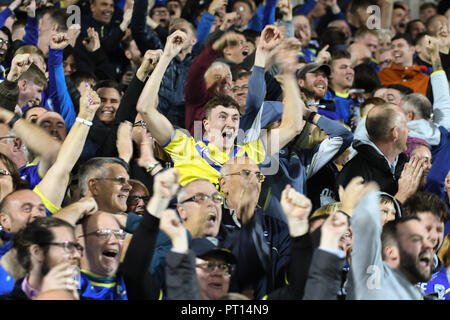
pixel 313 67
pixel 208 245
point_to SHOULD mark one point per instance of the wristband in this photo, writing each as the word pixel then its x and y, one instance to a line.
pixel 311 116
pixel 13 120
pixel 84 121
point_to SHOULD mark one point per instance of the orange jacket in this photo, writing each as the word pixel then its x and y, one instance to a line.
pixel 411 77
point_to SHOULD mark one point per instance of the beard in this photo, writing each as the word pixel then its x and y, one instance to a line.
pixel 409 265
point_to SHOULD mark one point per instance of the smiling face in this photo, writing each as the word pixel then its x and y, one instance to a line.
pixel 109 103
pixel 111 195
pixel 218 79
pixel 416 252
pixel 342 74
pixel 424 153
pixel 240 90
pixel 200 218
pixel 102 10
pixel 102 253
pixel 434 227
pixel 399 20
pixel 315 83
pixel 244 13
pixel 23 207
pixel 4 45
pixel 222 126
pixel 403 53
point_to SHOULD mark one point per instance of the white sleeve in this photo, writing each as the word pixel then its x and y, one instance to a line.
pixel 441 94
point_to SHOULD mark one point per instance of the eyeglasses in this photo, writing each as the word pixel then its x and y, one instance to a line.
pixel 201 198
pixel 209 266
pixel 69 247
pixel 6 42
pixel 7 137
pixel 105 234
pixel 237 88
pixel 4 172
pixel 140 123
pixel 246 173
pixel 135 199
pixel 120 180
pixel 161 13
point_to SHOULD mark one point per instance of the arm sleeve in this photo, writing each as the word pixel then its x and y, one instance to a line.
pixel 441 105
pixel 307 6
pixel 269 13
pixel 4 15
pixel 145 37
pixel 139 283
pixel 324 276
pixel 181 277
pixel 339 140
pixel 255 97
pixel 31 32
pixel 366 249
pixel 57 84
pixel 204 27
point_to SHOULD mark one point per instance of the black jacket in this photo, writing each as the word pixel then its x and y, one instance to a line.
pixel 372 166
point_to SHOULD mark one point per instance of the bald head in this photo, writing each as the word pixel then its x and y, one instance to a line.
pixel 381 120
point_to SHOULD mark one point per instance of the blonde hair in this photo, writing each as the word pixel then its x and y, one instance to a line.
pixel 325 210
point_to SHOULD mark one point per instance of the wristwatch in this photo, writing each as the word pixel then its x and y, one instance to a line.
pixel 152 166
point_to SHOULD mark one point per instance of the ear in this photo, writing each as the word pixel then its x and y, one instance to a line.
pixel 36 253
pixel 5 221
pixel 22 84
pixel 193 41
pixel 128 54
pixel 182 212
pixel 226 51
pixel 395 133
pixel 17 144
pixel 301 82
pixel 206 124
pixel 93 187
pixel 412 49
pixel 409 116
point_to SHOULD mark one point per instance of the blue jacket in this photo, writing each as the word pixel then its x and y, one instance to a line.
pixel 346 105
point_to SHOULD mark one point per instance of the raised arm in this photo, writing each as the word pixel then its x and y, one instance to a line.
pixel 292 120
pixel 158 125
pixel 34 137
pixel 439 85
pixel 53 184
pixel 57 82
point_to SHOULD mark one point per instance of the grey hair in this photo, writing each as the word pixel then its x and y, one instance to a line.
pixel 181 195
pixel 95 167
pixel 418 104
pixel 216 65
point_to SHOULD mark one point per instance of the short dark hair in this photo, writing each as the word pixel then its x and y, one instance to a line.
pixel 427 5
pixel 356 4
pixel 108 84
pixel 404 36
pixel 366 78
pixel 419 37
pixel 58 16
pixel 221 100
pixel 425 202
pixel 37 232
pixel 389 233
pixel 80 75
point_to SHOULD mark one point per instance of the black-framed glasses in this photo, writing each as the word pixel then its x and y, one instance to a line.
pixel 135 199
pixel 2 41
pixel 209 266
pixel 68 246
pixel 201 198
pixel 246 173
pixel 7 137
pixel 140 123
pixel 120 180
pixel 105 234
pixel 4 172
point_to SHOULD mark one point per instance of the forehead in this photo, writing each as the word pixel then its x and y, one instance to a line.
pixel 400 42
pixel 205 187
pixel 241 3
pixel 50 116
pixel 3 35
pixel 239 164
pixel 108 92
pixel 102 220
pixel 316 73
pixel 342 61
pixel 25 196
pixel 427 217
pixel 137 188
pixel 421 151
pixel 63 234
pixel 116 170
pixel 103 2
pixel 301 20
pixel 242 80
pixel 412 227
pixel 221 109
